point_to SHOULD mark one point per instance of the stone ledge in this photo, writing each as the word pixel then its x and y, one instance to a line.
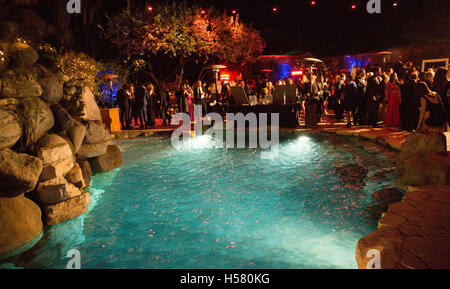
pixel 408 233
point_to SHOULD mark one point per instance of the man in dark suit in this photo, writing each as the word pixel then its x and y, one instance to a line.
pixel 141 104
pixel 200 96
pixel 374 96
pixel 165 104
pixel 123 102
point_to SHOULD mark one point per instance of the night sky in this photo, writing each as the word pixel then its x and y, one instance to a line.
pixel 331 27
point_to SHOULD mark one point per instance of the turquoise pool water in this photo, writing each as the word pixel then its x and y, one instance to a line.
pixel 203 207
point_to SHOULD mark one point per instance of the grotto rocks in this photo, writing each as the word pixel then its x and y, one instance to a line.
pixel 23 55
pixel 16 85
pixel 95 132
pixel 11 129
pixel 75 176
pixel 19 173
pixel 91 110
pixel 423 161
pixel 107 162
pixel 382 199
pixel 418 145
pixel 77 134
pixel 64 119
pixel 428 170
pixel 86 170
pixel 37 119
pixel 56 190
pixel 52 89
pixel 408 233
pixel 88 151
pixel 56 155
pixel 20 223
pixel 63 211
pixel 52 148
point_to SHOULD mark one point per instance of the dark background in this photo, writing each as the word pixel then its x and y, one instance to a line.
pixel 328 28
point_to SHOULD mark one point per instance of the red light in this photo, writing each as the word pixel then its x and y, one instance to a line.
pixel 234 11
pixel 224 77
pixel 353 6
pixel 395 4
pixel 150 8
pixel 297 72
pixel 313 3
pixel 203 12
pixel 275 9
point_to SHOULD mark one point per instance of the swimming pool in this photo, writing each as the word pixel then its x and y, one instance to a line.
pixel 203 207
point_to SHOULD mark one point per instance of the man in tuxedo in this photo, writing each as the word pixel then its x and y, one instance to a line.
pixel 165 104
pixel 200 96
pixel 142 104
pixel 123 102
pixel 375 95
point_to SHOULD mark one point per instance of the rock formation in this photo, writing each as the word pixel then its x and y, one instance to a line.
pixel 423 160
pixel 51 131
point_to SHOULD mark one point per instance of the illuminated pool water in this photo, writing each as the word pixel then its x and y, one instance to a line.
pixel 213 208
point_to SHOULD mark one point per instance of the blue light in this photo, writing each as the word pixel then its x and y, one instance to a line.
pixel 352 61
pixel 104 88
pixel 285 70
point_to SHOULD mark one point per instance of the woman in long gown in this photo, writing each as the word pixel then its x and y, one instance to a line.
pixel 393 95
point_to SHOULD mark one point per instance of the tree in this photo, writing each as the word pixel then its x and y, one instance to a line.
pixel 182 33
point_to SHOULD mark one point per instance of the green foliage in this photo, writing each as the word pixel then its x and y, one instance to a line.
pixel 181 32
pixel 80 68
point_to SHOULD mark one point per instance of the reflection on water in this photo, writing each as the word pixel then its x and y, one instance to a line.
pixel 203 207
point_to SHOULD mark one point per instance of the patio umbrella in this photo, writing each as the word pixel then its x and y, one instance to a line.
pixel 110 77
pixel 216 68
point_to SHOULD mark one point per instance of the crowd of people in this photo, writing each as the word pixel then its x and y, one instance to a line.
pixel 413 102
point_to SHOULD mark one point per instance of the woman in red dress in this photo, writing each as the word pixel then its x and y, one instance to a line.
pixel 393 95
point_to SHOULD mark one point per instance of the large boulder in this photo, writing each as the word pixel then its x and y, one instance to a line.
pixel 64 119
pixel 56 155
pixel 88 151
pixel 77 134
pixel 95 132
pixel 91 110
pixel 37 119
pixel 11 129
pixel 67 210
pixel 56 169
pixel 107 162
pixel 52 89
pixel 19 173
pixel 14 84
pixel 418 145
pixel 20 224
pixel 55 191
pixel 427 170
pixel 53 148
pixel 75 177
pixel 86 170
pixel 22 54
